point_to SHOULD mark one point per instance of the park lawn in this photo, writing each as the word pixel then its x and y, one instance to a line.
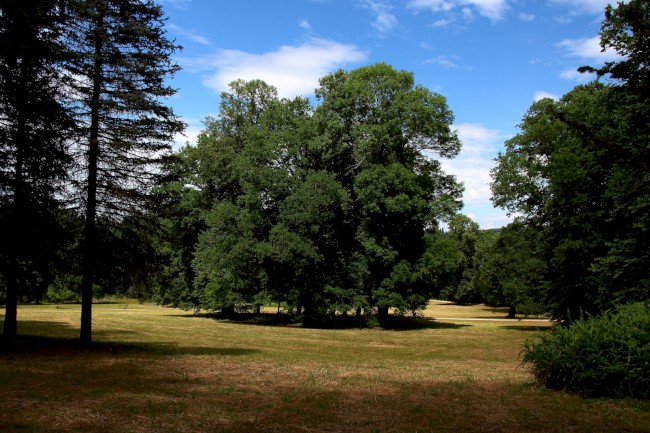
pixel 155 369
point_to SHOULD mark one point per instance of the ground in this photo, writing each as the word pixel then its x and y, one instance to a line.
pixel 155 369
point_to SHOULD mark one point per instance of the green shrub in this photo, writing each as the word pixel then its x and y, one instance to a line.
pixel 601 356
pixel 64 289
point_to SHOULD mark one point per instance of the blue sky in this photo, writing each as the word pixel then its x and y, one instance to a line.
pixel 490 58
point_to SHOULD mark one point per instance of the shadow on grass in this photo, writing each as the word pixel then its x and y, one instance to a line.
pixel 393 323
pixel 175 397
pixel 55 338
pixel 526 328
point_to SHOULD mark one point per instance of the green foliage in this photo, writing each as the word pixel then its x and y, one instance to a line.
pixel 64 289
pixel 34 127
pixel 571 175
pixel 321 209
pixel 509 269
pixel 118 71
pixel 466 236
pixel 599 356
pixel 577 174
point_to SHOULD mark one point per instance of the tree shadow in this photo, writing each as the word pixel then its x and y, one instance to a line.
pixel 526 328
pixel 396 323
pixel 392 323
pixel 56 338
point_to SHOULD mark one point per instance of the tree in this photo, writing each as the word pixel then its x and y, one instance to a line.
pixel 249 162
pixel 466 236
pixel 122 60
pixel 556 176
pixel 377 134
pixel 324 209
pixel 509 270
pixel 626 29
pixel 33 159
pixel 578 174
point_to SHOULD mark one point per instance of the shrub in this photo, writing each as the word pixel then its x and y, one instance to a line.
pixel 600 356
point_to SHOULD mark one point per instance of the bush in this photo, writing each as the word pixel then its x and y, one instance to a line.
pixel 603 356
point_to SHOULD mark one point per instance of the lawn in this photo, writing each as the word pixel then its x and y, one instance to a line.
pixel 157 369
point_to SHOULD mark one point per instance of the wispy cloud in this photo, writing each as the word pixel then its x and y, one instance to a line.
pixel 187 34
pixel 472 167
pixel 385 21
pixel 526 17
pixel 193 129
pixel 543 94
pixel 583 7
pixel 180 4
pixel 492 9
pixel 292 69
pixel 574 75
pixel 587 48
pixel 444 61
pixel 304 24
pixel 445 22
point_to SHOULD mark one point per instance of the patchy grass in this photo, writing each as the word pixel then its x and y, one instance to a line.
pixel 156 369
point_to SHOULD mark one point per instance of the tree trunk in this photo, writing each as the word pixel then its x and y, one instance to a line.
pixel 89 252
pixel 10 328
pixel 512 312
pixel 14 275
pixel 382 313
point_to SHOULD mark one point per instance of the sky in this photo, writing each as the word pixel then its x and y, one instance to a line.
pixel 491 59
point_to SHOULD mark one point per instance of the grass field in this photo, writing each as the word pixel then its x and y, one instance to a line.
pixel 157 369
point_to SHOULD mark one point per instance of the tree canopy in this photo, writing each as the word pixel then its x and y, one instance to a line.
pixel 577 173
pixel 322 208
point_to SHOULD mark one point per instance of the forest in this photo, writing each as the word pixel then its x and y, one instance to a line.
pixel 332 210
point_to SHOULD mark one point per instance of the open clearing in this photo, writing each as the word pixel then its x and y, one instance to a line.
pixel 157 369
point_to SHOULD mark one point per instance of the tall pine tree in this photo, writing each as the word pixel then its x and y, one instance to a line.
pixel 33 125
pixel 119 72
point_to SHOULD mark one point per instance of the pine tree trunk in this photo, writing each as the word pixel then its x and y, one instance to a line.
pixel 10 327
pixel 89 253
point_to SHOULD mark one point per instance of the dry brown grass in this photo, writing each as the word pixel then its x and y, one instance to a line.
pixel 155 369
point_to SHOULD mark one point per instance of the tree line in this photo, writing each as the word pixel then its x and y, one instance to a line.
pixel 331 207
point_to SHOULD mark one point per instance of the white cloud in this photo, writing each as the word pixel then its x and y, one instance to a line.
pixel 293 70
pixel 526 17
pixel 478 139
pixel 180 4
pixel 444 61
pixel 542 94
pixel 193 36
pixel 385 21
pixel 589 51
pixel 194 128
pixel 587 48
pixel 584 7
pixel 492 9
pixel 442 23
pixel 304 24
pixel 574 75
pixel 472 167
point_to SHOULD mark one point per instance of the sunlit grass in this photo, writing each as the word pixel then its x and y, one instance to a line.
pixel 158 369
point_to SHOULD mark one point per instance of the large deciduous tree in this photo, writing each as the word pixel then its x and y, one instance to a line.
pixel 122 60
pixel 379 133
pixel 578 173
pixel 322 209
pixel 33 127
